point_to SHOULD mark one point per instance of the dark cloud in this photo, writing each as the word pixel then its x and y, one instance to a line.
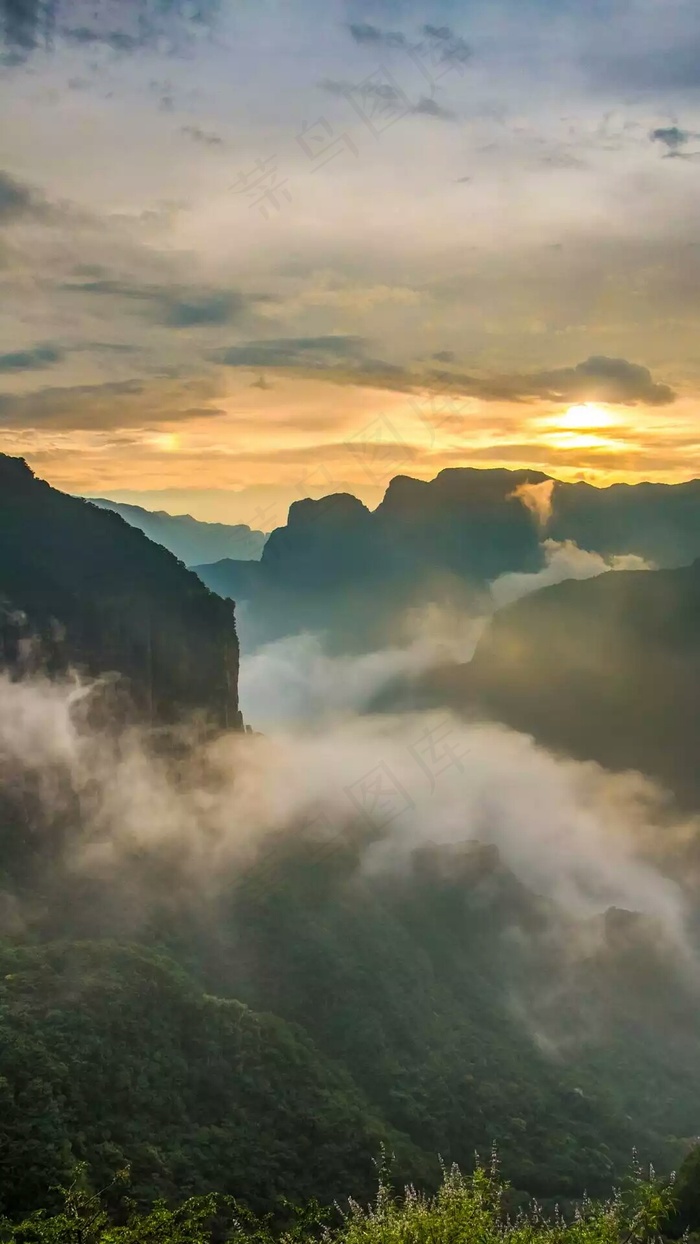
pixel 438 48
pixel 674 140
pixel 598 378
pixel 608 380
pixel 450 49
pixel 137 403
pixel 372 36
pixel 383 91
pixel 197 311
pixel 444 356
pixel 671 136
pixel 35 359
pixel 388 94
pixel 377 368
pixel 117 40
pixel 343 360
pixel 205 137
pixel 124 26
pixel 175 306
pixel 314 352
pixel 24 24
pixel 17 200
pixel 429 107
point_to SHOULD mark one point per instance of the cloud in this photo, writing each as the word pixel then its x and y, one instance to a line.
pixel 563 560
pixel 133 403
pixel 428 107
pixel 18 200
pixel 439 46
pixel 35 359
pixel 204 137
pixel 571 832
pixel 671 136
pixel 598 378
pixel 315 352
pixel 384 91
pixel 170 27
pixel 452 49
pixel 372 36
pixel 26 23
pixel 609 380
pixel 342 358
pixel 537 498
pixel 675 139
pixel 175 306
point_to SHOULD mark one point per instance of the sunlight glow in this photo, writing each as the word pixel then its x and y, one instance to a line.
pixel 585 417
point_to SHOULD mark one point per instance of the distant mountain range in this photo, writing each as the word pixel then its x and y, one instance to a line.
pixel 81 587
pixel 338 567
pixel 188 539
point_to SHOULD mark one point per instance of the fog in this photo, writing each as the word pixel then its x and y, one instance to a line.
pixel 568 830
pixel 127 803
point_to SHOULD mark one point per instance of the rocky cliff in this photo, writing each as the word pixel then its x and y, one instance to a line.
pixel 81 588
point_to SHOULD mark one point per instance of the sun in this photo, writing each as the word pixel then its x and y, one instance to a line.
pixel 584 418
pixel 167 442
pixel 584 426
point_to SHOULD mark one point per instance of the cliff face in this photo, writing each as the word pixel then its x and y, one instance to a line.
pixel 79 587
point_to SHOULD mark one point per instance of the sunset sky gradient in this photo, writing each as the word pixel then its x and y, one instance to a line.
pixel 256 250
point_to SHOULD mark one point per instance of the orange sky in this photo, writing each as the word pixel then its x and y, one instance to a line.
pixel 479 222
pixel 304 437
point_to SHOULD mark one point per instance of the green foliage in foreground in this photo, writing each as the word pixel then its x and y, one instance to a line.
pixel 466 1208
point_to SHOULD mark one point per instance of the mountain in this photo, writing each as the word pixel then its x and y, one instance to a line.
pixel 80 587
pixel 338 567
pixel 262 1019
pixel 606 669
pixel 189 540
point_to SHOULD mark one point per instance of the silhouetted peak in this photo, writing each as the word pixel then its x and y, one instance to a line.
pixel 337 508
pixel 498 481
pixel 15 473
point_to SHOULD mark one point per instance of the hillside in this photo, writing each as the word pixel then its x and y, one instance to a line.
pixel 188 539
pixel 111 1054
pixel 607 669
pixel 80 587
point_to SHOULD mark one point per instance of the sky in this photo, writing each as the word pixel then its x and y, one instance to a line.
pixel 253 250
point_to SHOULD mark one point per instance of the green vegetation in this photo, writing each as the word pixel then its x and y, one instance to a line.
pixel 464 1210
pixel 270 1050
pixel 111 1054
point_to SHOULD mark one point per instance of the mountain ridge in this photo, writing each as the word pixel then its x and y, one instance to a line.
pixel 338 567
pixel 190 539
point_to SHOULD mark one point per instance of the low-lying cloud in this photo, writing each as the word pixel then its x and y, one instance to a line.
pixel 569 831
pixel 563 560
